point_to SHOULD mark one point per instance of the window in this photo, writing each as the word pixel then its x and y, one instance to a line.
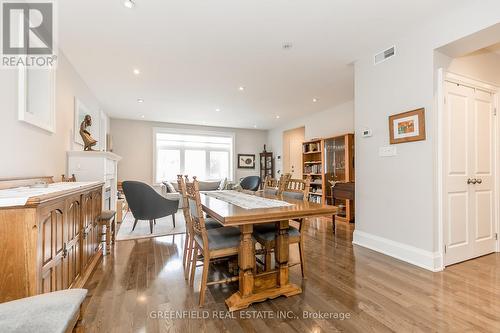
pixel 206 155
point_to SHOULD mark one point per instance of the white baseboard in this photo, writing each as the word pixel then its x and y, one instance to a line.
pixel 413 255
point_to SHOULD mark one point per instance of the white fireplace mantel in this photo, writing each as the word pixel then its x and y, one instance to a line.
pixel 96 166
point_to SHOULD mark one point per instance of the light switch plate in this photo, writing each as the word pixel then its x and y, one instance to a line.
pixel 387 151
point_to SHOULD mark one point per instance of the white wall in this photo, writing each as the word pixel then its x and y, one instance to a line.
pixel 395 197
pixel 482 65
pixel 28 150
pixel 334 121
pixel 133 140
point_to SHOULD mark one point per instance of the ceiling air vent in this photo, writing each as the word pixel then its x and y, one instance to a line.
pixel 384 55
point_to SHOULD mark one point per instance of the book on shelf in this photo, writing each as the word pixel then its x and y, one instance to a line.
pixel 314 168
pixel 315 198
pixel 311 147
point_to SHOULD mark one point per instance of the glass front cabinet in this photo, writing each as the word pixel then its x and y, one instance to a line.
pixel 266 165
pixel 339 167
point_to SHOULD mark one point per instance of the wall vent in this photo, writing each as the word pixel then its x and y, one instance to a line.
pixel 384 55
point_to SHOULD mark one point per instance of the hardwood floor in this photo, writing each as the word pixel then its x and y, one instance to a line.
pixel 142 279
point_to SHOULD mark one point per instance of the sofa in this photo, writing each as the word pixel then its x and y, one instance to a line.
pixel 170 190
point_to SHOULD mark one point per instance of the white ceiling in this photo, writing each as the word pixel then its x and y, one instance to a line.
pixel 193 55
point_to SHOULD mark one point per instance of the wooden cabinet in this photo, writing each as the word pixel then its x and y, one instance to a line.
pixel 266 165
pixel 328 161
pixel 339 167
pixel 51 243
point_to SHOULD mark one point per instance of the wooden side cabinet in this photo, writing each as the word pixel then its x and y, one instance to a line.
pixel 50 243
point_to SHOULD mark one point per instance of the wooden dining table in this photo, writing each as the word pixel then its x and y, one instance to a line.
pixel 254 286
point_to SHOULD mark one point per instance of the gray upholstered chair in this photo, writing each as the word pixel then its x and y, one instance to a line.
pixel 250 183
pixel 146 204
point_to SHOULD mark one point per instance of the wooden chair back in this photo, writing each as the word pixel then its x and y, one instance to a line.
pixel 195 210
pixel 71 179
pixel 276 186
pixel 270 183
pixel 185 204
pixel 283 182
pixel 297 188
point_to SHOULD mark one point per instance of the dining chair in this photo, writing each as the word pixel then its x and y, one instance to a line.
pixel 71 179
pixel 210 243
pixel 189 239
pixel 275 186
pixel 265 234
pixel 146 204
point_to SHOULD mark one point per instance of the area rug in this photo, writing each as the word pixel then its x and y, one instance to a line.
pixel 163 227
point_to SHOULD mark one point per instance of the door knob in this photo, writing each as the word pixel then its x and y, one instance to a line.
pixel 471 181
pixel 479 180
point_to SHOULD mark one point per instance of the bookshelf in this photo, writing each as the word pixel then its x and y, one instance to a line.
pixel 328 160
pixel 312 158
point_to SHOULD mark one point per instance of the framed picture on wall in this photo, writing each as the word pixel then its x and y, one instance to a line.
pixel 407 126
pixel 246 161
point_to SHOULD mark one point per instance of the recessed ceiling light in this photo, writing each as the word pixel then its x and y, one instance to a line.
pixel 315 100
pixel 142 116
pixel 277 117
pixel 136 71
pixel 241 88
pixel 140 100
pixel 129 3
pixel 217 110
pixel 254 126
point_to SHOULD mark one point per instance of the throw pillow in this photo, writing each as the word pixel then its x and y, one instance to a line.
pixel 170 187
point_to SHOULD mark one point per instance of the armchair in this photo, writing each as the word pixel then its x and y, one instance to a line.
pixel 146 204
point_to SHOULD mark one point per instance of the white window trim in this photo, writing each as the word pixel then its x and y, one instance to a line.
pixel 188 131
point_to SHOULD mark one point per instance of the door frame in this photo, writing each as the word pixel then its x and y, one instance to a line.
pixel 442 77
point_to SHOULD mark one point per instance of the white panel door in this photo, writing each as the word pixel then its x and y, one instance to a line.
pixel 469 173
pixel 292 151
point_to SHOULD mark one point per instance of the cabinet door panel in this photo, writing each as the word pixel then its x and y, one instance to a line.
pixel 96 211
pixel 59 282
pixel 72 256
pixel 86 225
pixel 46 230
pixel 46 283
pixel 52 246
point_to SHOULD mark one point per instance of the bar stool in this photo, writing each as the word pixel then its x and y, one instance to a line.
pixel 107 218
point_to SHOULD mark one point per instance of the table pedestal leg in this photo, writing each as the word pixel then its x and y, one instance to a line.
pixel 258 288
pixel 246 260
pixel 281 252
